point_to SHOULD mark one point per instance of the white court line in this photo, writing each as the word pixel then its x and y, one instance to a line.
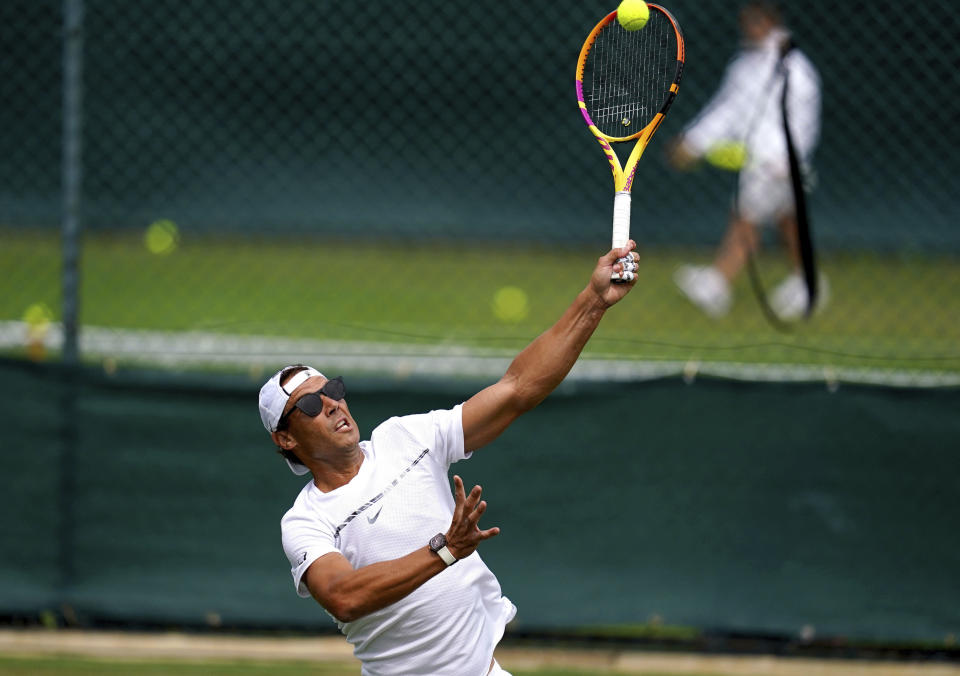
pixel 402 360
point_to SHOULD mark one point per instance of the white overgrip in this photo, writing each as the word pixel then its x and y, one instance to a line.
pixel 621 218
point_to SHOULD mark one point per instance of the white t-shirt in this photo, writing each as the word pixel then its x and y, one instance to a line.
pixel 746 108
pixel 400 498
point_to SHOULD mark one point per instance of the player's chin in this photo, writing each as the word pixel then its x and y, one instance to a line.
pixel 346 439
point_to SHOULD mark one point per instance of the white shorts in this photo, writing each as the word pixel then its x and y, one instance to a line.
pixel 763 197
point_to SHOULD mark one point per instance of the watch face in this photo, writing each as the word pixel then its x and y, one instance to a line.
pixel 437 541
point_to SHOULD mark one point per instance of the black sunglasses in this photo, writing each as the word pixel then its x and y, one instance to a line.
pixel 312 404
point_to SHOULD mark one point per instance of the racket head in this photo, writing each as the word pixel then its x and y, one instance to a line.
pixel 627 80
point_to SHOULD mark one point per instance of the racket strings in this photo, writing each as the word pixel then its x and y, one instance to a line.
pixel 628 74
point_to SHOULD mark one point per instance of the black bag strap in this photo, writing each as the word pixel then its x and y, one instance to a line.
pixel 804 237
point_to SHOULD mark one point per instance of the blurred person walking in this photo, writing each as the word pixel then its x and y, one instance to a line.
pixel 742 127
pixel 376 537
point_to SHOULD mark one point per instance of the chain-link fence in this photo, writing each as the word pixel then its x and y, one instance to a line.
pixel 410 186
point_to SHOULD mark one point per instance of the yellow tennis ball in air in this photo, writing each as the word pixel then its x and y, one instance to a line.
pixel 162 237
pixel 510 304
pixel 633 14
pixel 728 155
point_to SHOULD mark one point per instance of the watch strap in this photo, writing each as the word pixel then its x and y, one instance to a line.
pixel 447 557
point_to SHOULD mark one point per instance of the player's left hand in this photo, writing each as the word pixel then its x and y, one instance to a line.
pixel 464 534
pixel 616 273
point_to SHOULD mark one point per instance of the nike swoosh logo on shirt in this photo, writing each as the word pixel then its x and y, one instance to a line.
pixel 371 519
pixel 374 500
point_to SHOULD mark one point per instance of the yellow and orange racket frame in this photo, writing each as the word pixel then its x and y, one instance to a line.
pixel 623 175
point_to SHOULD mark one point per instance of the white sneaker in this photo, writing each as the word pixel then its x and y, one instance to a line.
pixel 789 298
pixel 705 287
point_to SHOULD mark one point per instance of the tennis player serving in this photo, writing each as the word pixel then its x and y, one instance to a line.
pixel 377 537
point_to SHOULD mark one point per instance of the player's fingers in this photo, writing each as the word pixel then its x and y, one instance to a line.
pixel 625 269
pixel 475 515
pixel 624 277
pixel 618 252
pixel 626 264
pixel 625 250
pixel 458 496
pixel 489 533
pixel 472 500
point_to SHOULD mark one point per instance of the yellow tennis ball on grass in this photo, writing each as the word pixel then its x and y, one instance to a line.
pixel 37 317
pixel 162 237
pixel 510 304
pixel 633 14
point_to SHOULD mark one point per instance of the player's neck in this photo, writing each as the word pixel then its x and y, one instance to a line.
pixel 330 474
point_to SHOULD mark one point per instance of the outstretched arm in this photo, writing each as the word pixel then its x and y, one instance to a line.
pixel 545 362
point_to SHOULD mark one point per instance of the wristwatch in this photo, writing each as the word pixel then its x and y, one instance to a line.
pixel 438 545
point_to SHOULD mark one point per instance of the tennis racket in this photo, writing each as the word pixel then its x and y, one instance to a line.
pixel 626 82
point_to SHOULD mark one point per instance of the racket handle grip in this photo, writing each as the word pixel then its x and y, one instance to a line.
pixel 621 218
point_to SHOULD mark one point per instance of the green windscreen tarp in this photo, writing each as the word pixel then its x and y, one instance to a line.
pixel 767 508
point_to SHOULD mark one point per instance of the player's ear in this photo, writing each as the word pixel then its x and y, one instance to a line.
pixel 284 439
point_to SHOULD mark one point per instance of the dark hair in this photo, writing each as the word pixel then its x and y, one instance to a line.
pixel 765 8
pixel 289 371
pixel 289 455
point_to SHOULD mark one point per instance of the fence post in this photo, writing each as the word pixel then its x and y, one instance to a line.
pixel 72 172
pixel 72 175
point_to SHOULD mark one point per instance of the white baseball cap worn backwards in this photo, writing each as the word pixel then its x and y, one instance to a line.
pixel 273 399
